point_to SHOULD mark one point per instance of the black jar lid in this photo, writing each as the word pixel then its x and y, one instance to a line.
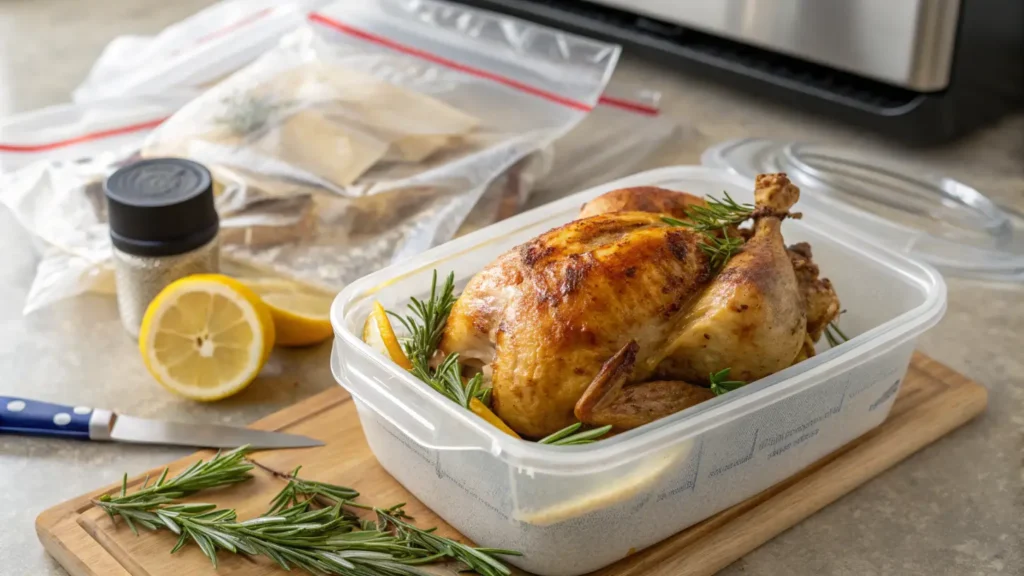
pixel 161 207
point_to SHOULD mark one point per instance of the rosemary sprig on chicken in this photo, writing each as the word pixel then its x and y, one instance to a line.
pixel 713 220
pixel 720 383
pixel 834 334
pixel 425 326
pixel 714 215
pixel 571 436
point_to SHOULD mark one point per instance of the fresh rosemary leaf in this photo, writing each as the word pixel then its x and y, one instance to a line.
pixel 485 396
pixel 247 113
pixel 720 249
pixel 716 214
pixel 299 492
pixel 474 388
pixel 426 323
pixel 720 383
pixel 551 439
pixel 182 540
pixel 476 560
pixel 712 219
pixel 425 326
pixel 569 436
pixel 222 470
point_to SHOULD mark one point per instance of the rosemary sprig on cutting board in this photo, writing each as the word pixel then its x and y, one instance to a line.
pixel 310 525
pixel 222 470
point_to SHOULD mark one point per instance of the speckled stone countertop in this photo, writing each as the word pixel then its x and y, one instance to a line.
pixel 956 507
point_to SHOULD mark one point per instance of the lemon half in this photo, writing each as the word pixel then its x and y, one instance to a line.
pixel 206 337
pixel 301 316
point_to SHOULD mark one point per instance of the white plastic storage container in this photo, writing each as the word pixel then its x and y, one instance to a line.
pixel 571 510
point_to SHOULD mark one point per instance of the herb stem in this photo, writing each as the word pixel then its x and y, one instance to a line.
pixel 307 526
pixel 720 383
pixel 425 326
pixel 569 436
pixel 712 221
pixel 834 335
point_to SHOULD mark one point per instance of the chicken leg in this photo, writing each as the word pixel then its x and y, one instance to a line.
pixel 751 317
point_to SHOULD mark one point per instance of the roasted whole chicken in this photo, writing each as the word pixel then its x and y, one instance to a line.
pixel 620 317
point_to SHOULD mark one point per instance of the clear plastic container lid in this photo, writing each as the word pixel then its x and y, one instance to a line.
pixel 937 219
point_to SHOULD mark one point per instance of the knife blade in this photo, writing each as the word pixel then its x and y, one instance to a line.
pixel 35 418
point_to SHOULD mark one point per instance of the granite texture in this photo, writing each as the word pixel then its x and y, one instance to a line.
pixel 957 507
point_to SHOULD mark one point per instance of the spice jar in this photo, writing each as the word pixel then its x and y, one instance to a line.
pixel 163 226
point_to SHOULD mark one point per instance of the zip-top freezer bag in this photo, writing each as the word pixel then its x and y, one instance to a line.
pixel 56 159
pixel 61 203
pixel 394 117
pixel 53 163
pixel 193 54
pixel 53 196
pixel 631 119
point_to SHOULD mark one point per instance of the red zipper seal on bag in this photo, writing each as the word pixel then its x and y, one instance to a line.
pixel 630 106
pixel 148 125
pixel 431 57
pixel 121 131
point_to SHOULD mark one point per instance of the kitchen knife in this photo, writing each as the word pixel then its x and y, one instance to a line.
pixel 31 417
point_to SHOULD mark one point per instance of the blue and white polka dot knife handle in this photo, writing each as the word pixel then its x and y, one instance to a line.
pixel 22 416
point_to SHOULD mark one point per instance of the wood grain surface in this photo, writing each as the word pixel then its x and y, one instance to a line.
pixel 933 401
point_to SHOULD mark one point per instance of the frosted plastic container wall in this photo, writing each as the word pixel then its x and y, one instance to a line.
pixel 572 510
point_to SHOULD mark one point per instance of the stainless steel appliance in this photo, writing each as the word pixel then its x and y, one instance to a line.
pixel 923 70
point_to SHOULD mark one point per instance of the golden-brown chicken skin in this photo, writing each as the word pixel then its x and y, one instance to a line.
pixel 642 199
pixel 619 318
pixel 546 315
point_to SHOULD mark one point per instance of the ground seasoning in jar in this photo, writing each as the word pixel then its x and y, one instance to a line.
pixel 163 227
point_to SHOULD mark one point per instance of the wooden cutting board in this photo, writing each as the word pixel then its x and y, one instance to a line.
pixel 933 401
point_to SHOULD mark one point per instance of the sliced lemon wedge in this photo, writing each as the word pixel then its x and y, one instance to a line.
pixel 481 410
pixel 206 337
pixel 301 316
pixel 380 335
